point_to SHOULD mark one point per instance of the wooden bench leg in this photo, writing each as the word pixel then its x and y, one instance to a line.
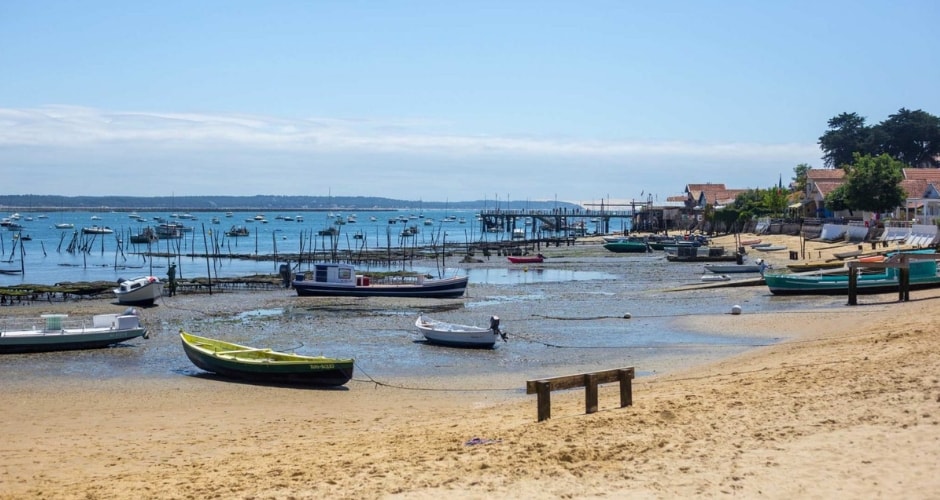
pixel 544 391
pixel 590 393
pixel 626 387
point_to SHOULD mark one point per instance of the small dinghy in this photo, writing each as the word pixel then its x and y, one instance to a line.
pixel 715 277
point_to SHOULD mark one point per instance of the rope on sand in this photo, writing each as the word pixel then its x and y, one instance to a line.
pixel 431 389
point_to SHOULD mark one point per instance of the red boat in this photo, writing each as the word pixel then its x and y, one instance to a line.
pixel 528 259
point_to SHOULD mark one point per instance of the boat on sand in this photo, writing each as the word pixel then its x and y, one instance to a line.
pixel 456 335
pixel 58 333
pixel 527 259
pixel 142 291
pixel 922 275
pixel 341 280
pixel 265 365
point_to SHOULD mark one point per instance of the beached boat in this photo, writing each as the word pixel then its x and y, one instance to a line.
pixel 59 334
pixel 687 253
pixel 341 280
pixel 715 277
pixel 923 275
pixel 803 267
pixel 142 290
pixel 455 335
pixel 527 259
pixel 265 365
pixel 769 248
pixel 627 246
pixel 732 268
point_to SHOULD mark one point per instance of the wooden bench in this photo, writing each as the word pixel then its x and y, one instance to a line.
pixel 544 387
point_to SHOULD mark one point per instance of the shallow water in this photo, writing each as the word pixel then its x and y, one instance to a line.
pixel 559 321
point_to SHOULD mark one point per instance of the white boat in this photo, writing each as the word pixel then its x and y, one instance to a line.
pixel 715 277
pixel 59 334
pixel 65 225
pixel 97 230
pixel 454 335
pixel 140 291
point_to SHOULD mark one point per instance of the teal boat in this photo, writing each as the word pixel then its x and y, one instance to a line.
pixel 923 275
pixel 627 246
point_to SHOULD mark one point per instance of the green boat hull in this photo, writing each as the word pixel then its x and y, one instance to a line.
pixel 264 365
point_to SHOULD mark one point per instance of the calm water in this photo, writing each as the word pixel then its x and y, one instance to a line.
pixel 46 260
pixel 559 321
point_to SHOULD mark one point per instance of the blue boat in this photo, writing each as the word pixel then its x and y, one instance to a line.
pixel 341 280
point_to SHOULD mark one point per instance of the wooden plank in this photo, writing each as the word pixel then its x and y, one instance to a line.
pixel 572 381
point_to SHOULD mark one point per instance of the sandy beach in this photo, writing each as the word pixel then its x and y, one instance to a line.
pixel 848 405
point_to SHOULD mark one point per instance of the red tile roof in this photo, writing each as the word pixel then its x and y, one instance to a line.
pixel 824 174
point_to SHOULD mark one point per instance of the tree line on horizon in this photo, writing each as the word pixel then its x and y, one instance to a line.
pixel 260 203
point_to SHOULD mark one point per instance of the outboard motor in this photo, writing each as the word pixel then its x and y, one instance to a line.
pixel 494 326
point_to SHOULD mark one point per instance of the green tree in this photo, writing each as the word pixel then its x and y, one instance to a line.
pixel 835 200
pixel 846 136
pixel 799 176
pixel 912 137
pixel 874 184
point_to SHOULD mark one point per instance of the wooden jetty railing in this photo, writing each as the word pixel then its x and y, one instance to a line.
pixel 901 263
pixel 590 381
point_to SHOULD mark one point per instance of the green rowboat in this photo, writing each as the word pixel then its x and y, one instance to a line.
pixel 264 365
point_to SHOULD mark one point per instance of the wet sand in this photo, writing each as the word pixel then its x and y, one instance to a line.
pixel 848 405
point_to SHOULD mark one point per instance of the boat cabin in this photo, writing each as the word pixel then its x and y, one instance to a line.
pixel 338 274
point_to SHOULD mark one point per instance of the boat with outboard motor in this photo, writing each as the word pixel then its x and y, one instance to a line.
pixel 456 335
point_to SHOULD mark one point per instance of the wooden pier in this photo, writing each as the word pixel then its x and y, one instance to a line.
pixel 536 224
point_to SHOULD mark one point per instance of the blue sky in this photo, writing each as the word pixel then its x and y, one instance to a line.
pixel 434 100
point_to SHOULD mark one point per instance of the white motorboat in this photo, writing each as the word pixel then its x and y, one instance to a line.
pixel 58 333
pixel 143 290
pixel 454 335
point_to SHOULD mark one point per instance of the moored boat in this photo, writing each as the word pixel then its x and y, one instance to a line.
pixel 527 259
pixel 147 235
pixel 456 335
pixel 60 334
pixel 341 280
pixel 143 290
pixel 97 230
pixel 237 231
pixel 265 365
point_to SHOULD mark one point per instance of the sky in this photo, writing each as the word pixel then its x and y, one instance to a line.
pixel 515 100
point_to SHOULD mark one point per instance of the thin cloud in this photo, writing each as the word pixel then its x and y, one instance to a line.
pixel 78 127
